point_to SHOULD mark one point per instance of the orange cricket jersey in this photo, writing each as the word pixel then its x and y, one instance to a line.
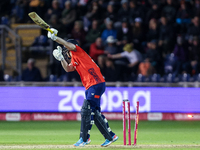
pixel 87 69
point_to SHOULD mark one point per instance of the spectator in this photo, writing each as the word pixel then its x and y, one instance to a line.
pixel 41 40
pixel 124 10
pixel 37 6
pixel 31 73
pixel 73 3
pixel 78 33
pixel 94 11
pixel 166 36
pixel 136 11
pixel 81 9
pixel 55 10
pixel 145 68
pixel 123 42
pixel 133 56
pixel 193 67
pixel 124 31
pixel 153 56
pixel 111 47
pixel 153 32
pixel 181 54
pixel 5 20
pixel 97 49
pixel 19 11
pixel 183 18
pixel 169 64
pixel 169 11
pixel 110 13
pixel 196 9
pixel 105 63
pixel 137 34
pixel 103 5
pixel 193 30
pixel 93 33
pixel 68 15
pixel 110 71
pixel 153 13
pixel 54 22
pixel 109 31
pixel 183 14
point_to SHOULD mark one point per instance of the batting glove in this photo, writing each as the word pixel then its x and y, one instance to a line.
pixel 52 35
pixel 57 53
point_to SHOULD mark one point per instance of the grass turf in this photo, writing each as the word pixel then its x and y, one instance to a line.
pixel 157 134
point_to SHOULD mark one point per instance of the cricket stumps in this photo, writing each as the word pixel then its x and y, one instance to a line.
pixel 126 107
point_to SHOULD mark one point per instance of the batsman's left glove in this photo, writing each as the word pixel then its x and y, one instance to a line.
pixel 57 53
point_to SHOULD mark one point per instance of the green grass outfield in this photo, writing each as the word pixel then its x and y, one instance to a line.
pixel 167 135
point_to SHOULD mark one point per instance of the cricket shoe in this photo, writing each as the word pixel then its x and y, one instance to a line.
pixel 106 143
pixel 88 141
pixel 81 143
pixel 115 138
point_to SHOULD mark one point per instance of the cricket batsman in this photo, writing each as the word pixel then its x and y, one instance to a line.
pixel 94 83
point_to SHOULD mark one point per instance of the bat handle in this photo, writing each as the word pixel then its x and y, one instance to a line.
pixel 50 30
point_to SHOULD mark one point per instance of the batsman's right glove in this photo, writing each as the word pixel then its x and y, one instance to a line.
pixel 57 53
pixel 52 35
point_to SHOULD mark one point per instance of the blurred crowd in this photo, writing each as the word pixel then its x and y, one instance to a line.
pixel 124 37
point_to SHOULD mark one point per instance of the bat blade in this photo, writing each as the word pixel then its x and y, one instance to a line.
pixel 39 21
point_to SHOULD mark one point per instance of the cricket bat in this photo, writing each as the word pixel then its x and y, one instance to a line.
pixel 39 21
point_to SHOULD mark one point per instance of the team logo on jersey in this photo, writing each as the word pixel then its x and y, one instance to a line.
pixel 75 63
pixel 93 73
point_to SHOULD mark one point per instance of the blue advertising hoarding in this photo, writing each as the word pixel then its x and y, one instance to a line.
pixel 70 99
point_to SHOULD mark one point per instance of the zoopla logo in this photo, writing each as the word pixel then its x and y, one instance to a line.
pixel 111 101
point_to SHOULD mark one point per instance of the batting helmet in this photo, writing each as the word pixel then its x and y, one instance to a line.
pixel 73 41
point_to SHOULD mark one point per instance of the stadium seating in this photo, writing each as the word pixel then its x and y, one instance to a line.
pixel 27 35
